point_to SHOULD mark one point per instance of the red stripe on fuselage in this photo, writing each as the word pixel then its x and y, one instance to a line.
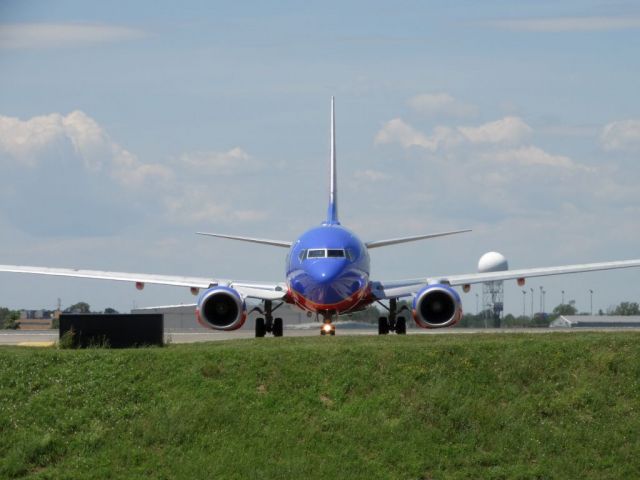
pixel 345 305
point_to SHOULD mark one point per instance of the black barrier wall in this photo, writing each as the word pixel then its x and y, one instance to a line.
pixel 116 331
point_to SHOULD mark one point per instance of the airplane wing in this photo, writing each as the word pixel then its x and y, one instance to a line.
pixel 404 288
pixel 396 241
pixel 263 241
pixel 263 291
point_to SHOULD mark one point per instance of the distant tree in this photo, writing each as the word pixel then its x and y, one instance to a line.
pixel 9 318
pixel 511 321
pixel 80 307
pixel 110 311
pixel 566 308
pixel 540 320
pixel 562 309
pixel 626 308
pixel 470 320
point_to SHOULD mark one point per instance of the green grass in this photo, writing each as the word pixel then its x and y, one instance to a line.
pixel 414 407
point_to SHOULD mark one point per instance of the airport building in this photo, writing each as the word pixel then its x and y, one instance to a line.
pixel 593 321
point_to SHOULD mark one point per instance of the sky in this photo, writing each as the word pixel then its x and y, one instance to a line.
pixel 125 127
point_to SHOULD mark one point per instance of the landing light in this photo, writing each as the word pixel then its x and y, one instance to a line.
pixel 327 327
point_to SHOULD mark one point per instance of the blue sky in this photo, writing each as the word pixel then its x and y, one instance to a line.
pixel 127 126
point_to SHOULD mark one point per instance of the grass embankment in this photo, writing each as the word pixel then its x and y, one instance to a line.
pixel 415 407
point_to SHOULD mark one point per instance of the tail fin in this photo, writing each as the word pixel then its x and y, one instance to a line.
pixel 332 213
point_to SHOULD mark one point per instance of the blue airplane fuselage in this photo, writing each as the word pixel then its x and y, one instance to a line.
pixel 328 270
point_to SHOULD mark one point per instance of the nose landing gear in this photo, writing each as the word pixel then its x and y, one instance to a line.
pixel 328 328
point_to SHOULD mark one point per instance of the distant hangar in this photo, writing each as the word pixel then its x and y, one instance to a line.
pixel 595 321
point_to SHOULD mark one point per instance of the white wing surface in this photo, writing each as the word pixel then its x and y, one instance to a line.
pixel 262 291
pixel 405 288
pixel 396 241
pixel 262 241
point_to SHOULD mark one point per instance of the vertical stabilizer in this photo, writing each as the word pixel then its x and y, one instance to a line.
pixel 332 214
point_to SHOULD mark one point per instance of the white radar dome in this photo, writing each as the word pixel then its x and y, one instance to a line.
pixel 492 262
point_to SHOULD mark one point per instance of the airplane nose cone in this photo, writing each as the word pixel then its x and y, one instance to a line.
pixel 325 272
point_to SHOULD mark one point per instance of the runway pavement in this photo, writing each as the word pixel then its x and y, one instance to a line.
pixel 41 338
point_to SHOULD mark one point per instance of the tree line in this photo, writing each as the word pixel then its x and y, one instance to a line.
pixel 9 319
pixel 486 319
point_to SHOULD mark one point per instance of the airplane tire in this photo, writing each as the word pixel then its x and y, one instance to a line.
pixel 383 326
pixel 277 327
pixel 261 328
pixel 401 326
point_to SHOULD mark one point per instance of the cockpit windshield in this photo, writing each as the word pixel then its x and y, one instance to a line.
pixel 326 253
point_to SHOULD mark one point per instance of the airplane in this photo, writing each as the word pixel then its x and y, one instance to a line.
pixel 327 274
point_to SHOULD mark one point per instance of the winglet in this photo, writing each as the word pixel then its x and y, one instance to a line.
pixel 332 213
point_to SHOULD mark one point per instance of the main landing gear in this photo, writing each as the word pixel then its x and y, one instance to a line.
pixel 268 324
pixel 393 323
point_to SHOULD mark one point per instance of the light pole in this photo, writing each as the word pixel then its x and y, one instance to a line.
pixel 591 301
pixel 562 297
pixel 477 303
pixel 531 303
pixel 541 298
pixel 524 299
pixel 544 303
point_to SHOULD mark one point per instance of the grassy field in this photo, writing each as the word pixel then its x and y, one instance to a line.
pixel 415 407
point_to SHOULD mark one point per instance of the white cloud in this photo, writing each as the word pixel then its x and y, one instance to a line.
pixel 509 130
pixel 85 178
pixel 231 162
pixel 55 35
pixel 397 131
pixel 200 206
pixel 24 141
pixel 129 172
pixel 531 155
pixel 568 24
pixel 623 135
pixel 77 138
pixel 441 104
pixel 372 176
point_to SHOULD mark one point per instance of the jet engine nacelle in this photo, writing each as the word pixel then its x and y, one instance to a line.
pixel 437 306
pixel 221 308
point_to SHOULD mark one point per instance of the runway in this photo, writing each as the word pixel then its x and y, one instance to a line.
pixel 44 338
